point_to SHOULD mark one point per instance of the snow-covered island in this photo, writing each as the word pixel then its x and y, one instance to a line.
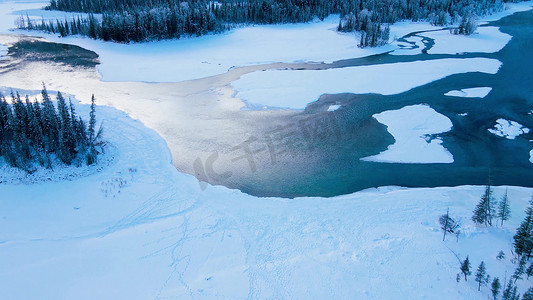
pixel 139 224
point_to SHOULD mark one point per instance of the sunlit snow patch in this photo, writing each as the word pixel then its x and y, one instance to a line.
pixel 479 92
pixel 485 40
pixel 508 129
pixel 412 127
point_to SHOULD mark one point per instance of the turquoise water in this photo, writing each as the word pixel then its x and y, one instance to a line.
pixel 318 153
pixel 333 166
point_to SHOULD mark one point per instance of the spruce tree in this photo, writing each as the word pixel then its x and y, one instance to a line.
pixel 481 275
pixel 484 211
pixel 50 122
pixel 528 295
pixel 495 287
pixel 504 212
pixel 510 292
pixel 92 136
pixel 522 238
pixel 520 270
pixel 465 268
pixel 66 142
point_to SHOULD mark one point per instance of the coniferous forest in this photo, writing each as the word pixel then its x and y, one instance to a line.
pixel 34 132
pixel 145 20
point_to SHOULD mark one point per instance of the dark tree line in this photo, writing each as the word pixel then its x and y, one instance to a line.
pixel 142 20
pixel 36 132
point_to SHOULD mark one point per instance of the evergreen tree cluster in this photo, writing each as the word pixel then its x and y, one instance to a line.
pixel 523 239
pixel 142 20
pixel 486 210
pixel 35 132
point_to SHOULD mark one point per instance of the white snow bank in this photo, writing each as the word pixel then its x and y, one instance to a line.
pixel 479 92
pixel 411 127
pixel 508 129
pixel 485 40
pixel 296 88
pixel 531 156
pixel 333 107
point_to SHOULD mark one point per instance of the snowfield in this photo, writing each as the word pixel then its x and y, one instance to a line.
pixel 296 88
pixel 412 127
pixel 479 92
pixel 508 129
pixel 486 40
pixel 141 230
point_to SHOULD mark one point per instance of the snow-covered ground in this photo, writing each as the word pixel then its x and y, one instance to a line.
pixel 412 127
pixel 508 129
pixel 141 230
pixel 479 92
pixel 296 88
pixel 486 40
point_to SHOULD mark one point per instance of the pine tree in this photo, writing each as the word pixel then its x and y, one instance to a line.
pixel 504 212
pixel 66 141
pixel 92 121
pixel 92 153
pixel 495 287
pixel 520 270
pixel 481 275
pixel 501 255
pixel 465 268
pixel 528 295
pixel 50 122
pixel 523 238
pixel 510 292
pixel 484 211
